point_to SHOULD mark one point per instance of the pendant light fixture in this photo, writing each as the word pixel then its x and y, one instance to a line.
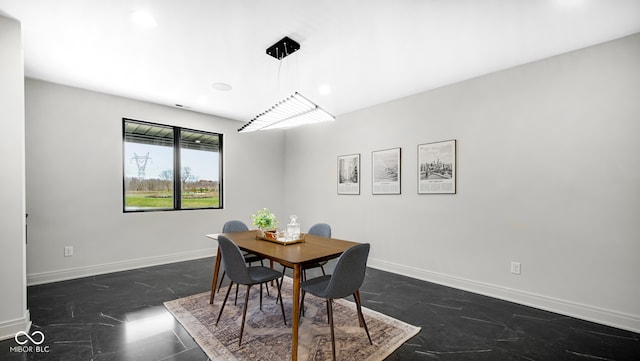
pixel 291 112
pixel 294 110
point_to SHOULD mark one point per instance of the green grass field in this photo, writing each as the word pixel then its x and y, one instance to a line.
pixel 144 200
pixel 201 202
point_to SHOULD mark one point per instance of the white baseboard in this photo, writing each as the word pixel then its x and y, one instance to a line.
pixel 9 329
pixel 564 307
pixel 71 273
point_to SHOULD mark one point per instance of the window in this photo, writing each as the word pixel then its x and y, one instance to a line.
pixel 169 168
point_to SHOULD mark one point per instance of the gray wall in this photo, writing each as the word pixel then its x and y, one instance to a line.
pixel 74 185
pixel 14 316
pixel 548 175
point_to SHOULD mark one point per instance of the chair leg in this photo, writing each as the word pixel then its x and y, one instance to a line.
pixel 323 272
pixel 221 279
pixel 261 297
pixel 284 318
pixel 224 302
pixel 356 297
pixel 333 339
pixel 244 313
pixel 356 300
pixel 235 303
pixel 304 293
pixel 304 278
pixel 329 310
pixel 284 268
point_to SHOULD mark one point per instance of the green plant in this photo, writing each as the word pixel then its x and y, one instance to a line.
pixel 264 220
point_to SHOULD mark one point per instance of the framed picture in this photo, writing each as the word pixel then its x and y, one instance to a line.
pixel 349 174
pixel 437 167
pixel 386 171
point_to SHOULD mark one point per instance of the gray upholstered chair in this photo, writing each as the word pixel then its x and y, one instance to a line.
pixel 346 280
pixel 322 230
pixel 249 258
pixel 240 273
pixel 234 226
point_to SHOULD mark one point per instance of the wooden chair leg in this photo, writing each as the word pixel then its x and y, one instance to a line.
pixel 302 302
pixel 329 310
pixel 363 323
pixel 356 300
pixel 244 313
pixel 266 285
pixel 213 288
pixel 224 302
pixel 221 279
pixel 284 318
pixel 333 340
pixel 284 268
pixel 304 278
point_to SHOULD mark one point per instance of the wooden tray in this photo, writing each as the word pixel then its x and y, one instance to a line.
pixel 274 240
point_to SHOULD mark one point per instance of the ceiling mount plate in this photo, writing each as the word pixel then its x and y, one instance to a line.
pixel 283 48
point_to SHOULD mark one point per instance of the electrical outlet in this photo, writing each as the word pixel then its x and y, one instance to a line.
pixel 515 268
pixel 68 251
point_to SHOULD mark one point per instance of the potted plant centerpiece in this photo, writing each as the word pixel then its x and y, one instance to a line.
pixel 265 221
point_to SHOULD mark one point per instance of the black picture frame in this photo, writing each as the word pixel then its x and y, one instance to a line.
pixel 437 167
pixel 349 174
pixel 386 168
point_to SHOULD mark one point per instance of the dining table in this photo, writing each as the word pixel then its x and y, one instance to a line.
pixel 310 250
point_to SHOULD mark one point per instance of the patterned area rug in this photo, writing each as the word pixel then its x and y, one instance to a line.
pixel 267 338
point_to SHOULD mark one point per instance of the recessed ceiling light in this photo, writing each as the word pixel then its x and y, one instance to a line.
pixel 143 19
pixel 224 87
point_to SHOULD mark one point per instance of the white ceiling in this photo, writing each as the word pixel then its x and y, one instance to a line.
pixel 367 52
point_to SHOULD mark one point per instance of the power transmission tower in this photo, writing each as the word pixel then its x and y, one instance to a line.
pixel 141 162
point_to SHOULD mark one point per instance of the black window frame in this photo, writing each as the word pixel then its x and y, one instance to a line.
pixel 177 167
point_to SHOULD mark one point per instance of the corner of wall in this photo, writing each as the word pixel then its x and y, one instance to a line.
pixel 9 329
pixel 14 315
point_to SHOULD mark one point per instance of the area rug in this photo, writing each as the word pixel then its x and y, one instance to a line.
pixel 267 338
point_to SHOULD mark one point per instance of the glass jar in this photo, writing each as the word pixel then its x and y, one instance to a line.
pixel 293 229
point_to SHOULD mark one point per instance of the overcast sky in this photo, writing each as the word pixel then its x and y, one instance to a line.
pixel 204 165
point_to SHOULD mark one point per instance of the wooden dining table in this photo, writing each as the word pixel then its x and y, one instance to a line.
pixel 296 256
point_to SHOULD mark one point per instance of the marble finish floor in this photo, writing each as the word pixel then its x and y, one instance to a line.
pixel 120 316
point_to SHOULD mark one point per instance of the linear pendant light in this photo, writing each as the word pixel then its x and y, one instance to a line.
pixel 291 112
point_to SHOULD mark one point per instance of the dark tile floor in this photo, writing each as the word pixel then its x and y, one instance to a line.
pixel 120 316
